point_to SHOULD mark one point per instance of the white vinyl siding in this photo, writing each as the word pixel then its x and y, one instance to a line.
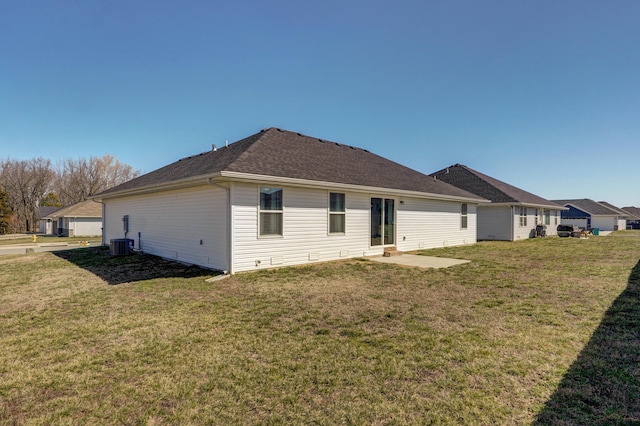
pixel 495 223
pixel 423 224
pixel 79 226
pixel 188 225
pixel 87 226
pixel 420 224
pixel 305 229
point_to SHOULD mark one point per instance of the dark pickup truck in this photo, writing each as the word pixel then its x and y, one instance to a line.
pixel 568 231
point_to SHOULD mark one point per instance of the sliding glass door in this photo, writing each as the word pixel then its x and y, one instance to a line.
pixel 382 221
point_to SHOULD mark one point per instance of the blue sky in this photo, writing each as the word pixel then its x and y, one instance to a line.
pixel 544 95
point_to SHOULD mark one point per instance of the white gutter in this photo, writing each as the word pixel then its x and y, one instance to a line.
pixel 247 177
pixel 545 206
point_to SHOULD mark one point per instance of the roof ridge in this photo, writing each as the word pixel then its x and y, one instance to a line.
pixel 488 179
pixel 476 175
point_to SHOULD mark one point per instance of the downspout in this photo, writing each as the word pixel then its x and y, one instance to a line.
pixel 513 219
pixel 228 224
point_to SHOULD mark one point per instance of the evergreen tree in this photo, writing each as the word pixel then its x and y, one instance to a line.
pixel 5 212
pixel 51 200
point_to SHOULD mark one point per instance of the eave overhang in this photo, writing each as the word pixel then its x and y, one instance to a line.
pixel 225 176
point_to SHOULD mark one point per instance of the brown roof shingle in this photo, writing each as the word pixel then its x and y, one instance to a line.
pixel 281 153
pixel 589 206
pixel 88 208
pixel 487 187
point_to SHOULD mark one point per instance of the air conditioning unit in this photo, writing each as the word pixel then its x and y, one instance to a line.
pixel 120 246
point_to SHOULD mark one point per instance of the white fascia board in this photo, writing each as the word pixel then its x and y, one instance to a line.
pixel 178 184
pixel 253 178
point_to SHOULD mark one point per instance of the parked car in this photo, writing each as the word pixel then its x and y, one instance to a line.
pixel 568 231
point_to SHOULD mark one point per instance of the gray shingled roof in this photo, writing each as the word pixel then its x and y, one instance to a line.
pixel 614 208
pixel 487 187
pixel 281 153
pixel 46 211
pixel 633 211
pixel 589 206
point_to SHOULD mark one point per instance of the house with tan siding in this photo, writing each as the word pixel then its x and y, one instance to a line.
pixel 282 198
pixel 513 214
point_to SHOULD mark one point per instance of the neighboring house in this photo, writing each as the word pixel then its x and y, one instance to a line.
pixel 281 198
pixel 513 214
pixel 82 219
pixel 589 214
pixel 45 223
pixel 633 220
pixel 623 216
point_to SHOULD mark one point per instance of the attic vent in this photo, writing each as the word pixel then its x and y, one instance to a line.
pixel 337 144
pixel 365 150
pixel 321 140
pixel 352 147
pixel 298 134
pixel 279 130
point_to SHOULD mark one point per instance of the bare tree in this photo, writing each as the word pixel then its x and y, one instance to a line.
pixel 80 179
pixel 5 213
pixel 25 183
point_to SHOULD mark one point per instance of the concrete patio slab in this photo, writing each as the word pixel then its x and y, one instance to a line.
pixel 420 261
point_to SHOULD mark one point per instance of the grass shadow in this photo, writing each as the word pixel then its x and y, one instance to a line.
pixel 135 267
pixel 603 384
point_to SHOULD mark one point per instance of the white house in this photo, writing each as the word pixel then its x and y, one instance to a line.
pixel 282 198
pixel 513 214
pixel 82 219
pixel 589 214
pixel 45 222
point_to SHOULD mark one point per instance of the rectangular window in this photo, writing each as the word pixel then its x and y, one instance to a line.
pixel 556 218
pixel 523 216
pixel 463 216
pixel 270 211
pixel 547 217
pixel 536 220
pixel 337 213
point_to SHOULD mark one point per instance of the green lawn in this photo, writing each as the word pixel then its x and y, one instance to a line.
pixel 543 330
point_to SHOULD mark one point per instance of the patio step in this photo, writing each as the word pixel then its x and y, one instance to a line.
pixel 391 251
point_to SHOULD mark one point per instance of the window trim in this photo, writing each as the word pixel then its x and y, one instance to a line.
pixel 464 216
pixel 261 211
pixel 523 216
pixel 342 213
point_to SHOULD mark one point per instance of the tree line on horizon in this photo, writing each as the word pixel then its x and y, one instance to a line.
pixel 26 185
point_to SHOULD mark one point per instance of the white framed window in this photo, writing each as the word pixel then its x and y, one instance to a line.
pixel 464 216
pixel 547 217
pixel 523 216
pixel 270 212
pixel 337 213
